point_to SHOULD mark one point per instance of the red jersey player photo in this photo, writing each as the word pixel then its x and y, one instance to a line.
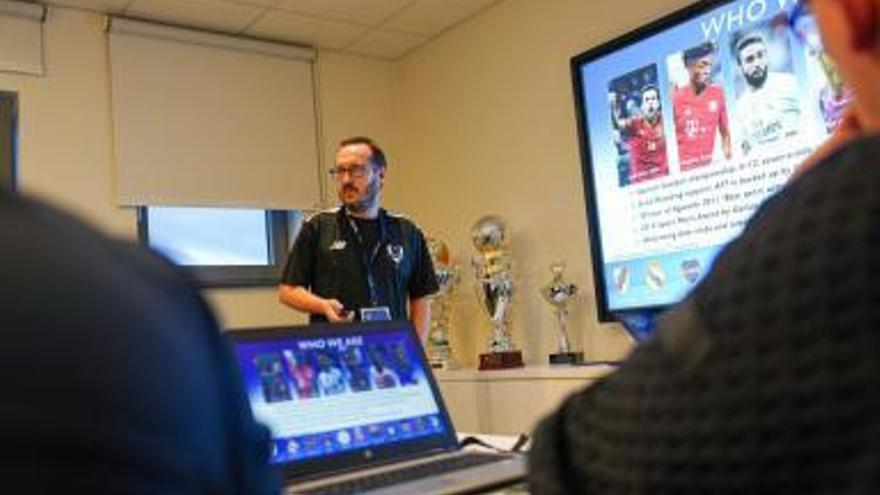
pixel 699 109
pixel 645 136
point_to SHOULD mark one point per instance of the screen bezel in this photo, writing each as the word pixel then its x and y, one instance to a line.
pixel 603 312
pixel 367 456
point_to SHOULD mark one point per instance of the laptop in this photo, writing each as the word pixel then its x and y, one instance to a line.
pixel 354 408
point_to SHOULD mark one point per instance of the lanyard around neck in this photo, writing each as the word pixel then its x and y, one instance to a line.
pixel 367 261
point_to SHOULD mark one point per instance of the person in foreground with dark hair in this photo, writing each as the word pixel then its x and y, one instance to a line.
pixel 766 379
pixel 116 377
pixel 359 261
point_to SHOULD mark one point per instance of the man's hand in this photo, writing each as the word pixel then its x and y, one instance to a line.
pixel 299 298
pixel 334 311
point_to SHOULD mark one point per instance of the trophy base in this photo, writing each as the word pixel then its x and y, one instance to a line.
pixel 448 364
pixel 501 360
pixel 567 358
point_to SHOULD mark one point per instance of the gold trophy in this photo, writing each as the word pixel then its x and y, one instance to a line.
pixel 494 290
pixel 559 293
pixel 439 350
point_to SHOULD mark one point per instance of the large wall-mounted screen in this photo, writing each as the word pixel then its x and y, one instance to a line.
pixel 686 126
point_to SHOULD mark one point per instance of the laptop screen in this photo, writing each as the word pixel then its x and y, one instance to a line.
pixel 328 390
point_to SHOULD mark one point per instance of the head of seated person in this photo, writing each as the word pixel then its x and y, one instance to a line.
pixel 116 377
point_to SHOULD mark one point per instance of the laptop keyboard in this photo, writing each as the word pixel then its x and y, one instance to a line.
pixel 398 476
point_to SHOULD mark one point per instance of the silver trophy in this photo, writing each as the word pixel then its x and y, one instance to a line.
pixel 492 268
pixel 439 349
pixel 559 293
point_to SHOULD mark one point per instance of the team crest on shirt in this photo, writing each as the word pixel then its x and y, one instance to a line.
pixel 395 252
pixel 337 245
pixel 713 106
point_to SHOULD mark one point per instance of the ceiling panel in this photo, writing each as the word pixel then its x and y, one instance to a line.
pixel 258 3
pixel 104 6
pixel 212 14
pixel 429 17
pixel 305 29
pixel 364 12
pixel 385 44
pixel 379 28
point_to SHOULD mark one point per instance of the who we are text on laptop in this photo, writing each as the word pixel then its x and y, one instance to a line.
pixel 354 408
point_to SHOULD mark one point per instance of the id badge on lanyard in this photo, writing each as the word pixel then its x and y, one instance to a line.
pixel 378 313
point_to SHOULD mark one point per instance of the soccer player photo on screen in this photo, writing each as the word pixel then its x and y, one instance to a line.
pixel 637 114
pixel 827 92
pixel 767 101
pixel 699 109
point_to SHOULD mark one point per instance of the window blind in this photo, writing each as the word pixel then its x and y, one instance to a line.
pixel 206 119
pixel 21 37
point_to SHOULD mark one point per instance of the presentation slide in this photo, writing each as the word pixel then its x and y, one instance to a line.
pixel 326 395
pixel 690 130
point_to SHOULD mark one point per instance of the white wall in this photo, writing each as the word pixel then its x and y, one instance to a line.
pixel 489 127
pixel 65 140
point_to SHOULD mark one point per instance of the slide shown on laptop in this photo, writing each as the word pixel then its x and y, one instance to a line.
pixel 329 394
pixel 344 398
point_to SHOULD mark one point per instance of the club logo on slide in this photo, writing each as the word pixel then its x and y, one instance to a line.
pixel 621 278
pixel 690 270
pixel 655 277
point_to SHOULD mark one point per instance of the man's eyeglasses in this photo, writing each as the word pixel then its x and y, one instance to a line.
pixel 354 171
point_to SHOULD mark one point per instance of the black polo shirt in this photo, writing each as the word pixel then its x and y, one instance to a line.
pixel 336 256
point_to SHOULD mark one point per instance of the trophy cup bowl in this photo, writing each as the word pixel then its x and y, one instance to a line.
pixel 558 293
pixel 494 291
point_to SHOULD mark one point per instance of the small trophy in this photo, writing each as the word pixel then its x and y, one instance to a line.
pixel 439 350
pixel 558 293
pixel 494 291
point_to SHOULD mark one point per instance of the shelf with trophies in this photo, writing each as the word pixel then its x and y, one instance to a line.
pixel 512 401
pixel 492 268
pixel 502 395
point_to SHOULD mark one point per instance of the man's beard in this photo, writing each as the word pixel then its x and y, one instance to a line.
pixel 367 200
pixel 757 78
